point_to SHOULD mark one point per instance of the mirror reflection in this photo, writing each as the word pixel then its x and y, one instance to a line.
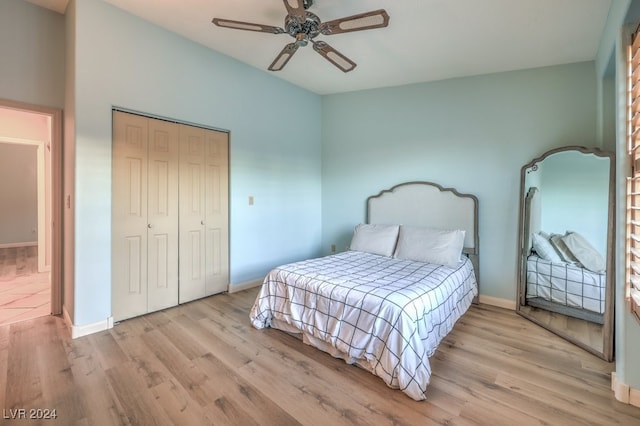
pixel 565 241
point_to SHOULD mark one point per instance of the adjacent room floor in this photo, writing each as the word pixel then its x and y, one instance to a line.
pixel 25 293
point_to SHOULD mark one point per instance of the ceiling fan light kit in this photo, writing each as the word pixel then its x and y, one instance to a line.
pixel 305 26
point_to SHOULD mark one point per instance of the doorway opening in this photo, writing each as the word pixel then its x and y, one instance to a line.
pixel 30 225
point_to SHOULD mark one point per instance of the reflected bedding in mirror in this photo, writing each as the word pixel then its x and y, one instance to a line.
pixel 567 285
pixel 564 272
pixel 556 275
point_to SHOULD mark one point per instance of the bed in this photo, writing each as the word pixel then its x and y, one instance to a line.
pixel 383 305
pixel 556 279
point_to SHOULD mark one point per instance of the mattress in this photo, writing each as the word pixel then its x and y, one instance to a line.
pixel 385 314
pixel 566 284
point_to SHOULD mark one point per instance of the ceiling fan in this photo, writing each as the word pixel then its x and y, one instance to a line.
pixel 305 26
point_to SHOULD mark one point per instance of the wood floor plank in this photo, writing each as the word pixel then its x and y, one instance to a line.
pixel 58 386
pixel 220 364
pixel 149 367
pixel 242 393
pixel 92 387
pixel 566 372
pixel 23 387
pixel 578 407
pixel 184 371
pixel 4 359
pixel 203 363
pixel 282 357
pixel 179 407
pixel 268 371
pixel 352 378
pixel 272 364
pixel 139 406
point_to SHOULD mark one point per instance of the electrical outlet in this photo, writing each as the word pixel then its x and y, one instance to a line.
pixel 333 248
pixel 250 200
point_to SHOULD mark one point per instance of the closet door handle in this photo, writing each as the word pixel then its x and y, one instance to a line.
pixel 149 226
pixel 202 222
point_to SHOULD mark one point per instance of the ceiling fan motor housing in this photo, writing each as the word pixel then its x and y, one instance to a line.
pixel 303 32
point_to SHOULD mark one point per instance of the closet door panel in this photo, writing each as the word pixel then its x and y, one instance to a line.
pixel 217 211
pixel 163 215
pixel 192 191
pixel 170 214
pixel 133 270
pixel 129 216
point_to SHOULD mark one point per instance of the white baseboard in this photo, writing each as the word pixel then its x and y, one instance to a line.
pixel 14 245
pixel 85 330
pixel 634 397
pixel 500 303
pixel 234 288
pixel 623 392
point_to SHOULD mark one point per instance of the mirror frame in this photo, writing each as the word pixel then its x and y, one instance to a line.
pixel 608 316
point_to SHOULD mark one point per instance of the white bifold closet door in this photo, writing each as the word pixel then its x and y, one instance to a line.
pixel 144 215
pixel 204 213
pixel 170 216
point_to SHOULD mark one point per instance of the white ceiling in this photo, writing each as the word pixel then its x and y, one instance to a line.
pixel 426 40
pixel 56 5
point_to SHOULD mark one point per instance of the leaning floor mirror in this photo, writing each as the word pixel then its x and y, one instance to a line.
pixel 566 276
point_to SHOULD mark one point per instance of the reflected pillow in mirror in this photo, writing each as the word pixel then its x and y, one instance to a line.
pixel 545 250
pixel 375 239
pixel 561 248
pixel 430 245
pixel 584 252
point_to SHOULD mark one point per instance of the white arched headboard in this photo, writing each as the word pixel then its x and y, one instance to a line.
pixel 428 204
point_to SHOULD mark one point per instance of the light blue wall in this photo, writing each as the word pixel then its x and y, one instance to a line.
pixel 473 134
pixel 606 50
pixel 31 54
pixel 123 61
pixel 574 192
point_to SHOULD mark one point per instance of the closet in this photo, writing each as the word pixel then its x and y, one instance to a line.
pixel 169 214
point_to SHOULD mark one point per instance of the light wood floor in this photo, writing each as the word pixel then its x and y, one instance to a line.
pixel 24 292
pixel 589 333
pixel 203 363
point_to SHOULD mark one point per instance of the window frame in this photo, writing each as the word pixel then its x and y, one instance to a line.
pixel 632 281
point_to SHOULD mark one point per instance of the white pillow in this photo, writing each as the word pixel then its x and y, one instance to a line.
pixel 376 239
pixel 544 249
pixel 442 247
pixel 584 252
pixel 562 249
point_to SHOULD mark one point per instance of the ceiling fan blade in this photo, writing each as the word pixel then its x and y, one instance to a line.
pixel 333 56
pixel 283 57
pixel 239 25
pixel 362 21
pixel 295 8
